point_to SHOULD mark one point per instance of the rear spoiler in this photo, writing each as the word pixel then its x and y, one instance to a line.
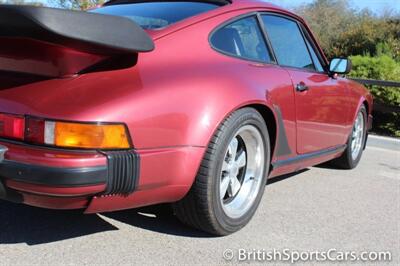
pixel 87 32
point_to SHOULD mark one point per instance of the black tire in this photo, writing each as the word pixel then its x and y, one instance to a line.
pixel 346 161
pixel 201 208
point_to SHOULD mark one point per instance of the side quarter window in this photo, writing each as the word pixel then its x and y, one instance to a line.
pixel 242 38
pixel 287 42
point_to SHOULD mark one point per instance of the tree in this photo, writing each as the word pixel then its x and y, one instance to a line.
pixel 77 4
pixel 371 35
pixel 21 2
pixel 343 31
pixel 328 20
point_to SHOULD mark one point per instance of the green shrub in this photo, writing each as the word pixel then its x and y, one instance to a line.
pixel 381 67
pixel 386 123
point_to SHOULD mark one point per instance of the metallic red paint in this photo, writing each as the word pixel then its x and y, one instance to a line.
pixel 40 58
pixel 30 154
pixel 166 175
pixel 321 111
pixel 172 102
pixel 49 202
pixel 55 191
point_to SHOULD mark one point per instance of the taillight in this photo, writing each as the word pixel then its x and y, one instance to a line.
pixel 34 131
pixel 65 134
pixel 90 136
pixel 12 126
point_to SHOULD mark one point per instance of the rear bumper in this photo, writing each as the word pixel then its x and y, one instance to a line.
pixel 45 175
pixel 50 187
pixel 97 181
pixel 64 179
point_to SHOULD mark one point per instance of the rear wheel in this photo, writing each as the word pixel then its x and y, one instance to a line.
pixel 355 144
pixel 232 176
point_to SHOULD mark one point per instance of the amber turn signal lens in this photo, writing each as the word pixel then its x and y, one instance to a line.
pixel 90 136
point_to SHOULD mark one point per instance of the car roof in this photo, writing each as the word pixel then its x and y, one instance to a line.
pixel 226 6
pixel 231 3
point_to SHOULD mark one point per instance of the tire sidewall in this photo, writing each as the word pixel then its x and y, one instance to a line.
pixel 354 162
pixel 248 117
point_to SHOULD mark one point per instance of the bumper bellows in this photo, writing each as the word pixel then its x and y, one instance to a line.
pixel 123 172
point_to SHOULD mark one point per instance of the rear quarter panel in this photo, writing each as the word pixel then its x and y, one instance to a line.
pixel 358 95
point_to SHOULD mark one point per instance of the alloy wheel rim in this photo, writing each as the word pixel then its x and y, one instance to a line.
pixel 242 171
pixel 357 136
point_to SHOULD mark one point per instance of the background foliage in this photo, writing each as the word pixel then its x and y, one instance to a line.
pixel 78 4
pixel 69 4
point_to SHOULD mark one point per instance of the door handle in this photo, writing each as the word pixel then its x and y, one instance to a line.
pixel 301 87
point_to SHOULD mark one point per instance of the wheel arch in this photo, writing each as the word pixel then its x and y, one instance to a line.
pixel 362 101
pixel 270 120
pixel 360 96
pixel 268 116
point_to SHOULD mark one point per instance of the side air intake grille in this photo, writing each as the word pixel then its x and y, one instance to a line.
pixel 123 172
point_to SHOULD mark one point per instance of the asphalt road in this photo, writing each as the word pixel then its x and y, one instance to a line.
pixel 319 209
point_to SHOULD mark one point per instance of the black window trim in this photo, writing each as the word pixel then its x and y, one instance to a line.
pixel 309 47
pixel 300 27
pixel 307 36
pixel 266 37
pixel 260 25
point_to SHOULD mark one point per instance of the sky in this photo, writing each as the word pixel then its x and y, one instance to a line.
pixel 377 6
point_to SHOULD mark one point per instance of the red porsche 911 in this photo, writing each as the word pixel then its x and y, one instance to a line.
pixel 194 103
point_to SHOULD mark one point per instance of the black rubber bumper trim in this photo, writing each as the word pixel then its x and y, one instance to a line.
pixel 53 176
pixel 123 172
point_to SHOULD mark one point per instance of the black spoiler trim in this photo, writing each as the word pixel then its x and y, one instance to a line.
pixel 88 32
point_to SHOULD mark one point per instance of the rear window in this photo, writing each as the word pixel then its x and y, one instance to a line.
pixel 156 15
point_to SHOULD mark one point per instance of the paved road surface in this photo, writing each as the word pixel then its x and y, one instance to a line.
pixel 317 209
